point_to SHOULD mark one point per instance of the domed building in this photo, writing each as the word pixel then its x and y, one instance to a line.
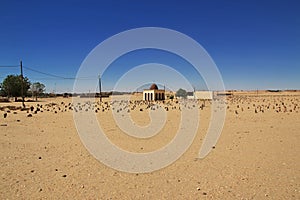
pixel 153 94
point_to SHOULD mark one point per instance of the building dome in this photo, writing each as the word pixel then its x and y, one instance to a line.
pixel 153 87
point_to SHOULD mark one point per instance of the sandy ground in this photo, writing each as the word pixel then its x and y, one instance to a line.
pixel 256 157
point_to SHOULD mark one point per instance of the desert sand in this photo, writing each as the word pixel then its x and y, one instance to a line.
pixel 256 157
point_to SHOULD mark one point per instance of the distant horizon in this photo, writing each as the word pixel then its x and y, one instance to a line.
pixel 131 92
pixel 56 88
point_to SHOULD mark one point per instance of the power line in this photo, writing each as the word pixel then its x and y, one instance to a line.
pixel 47 74
pixel 54 76
pixel 8 66
pixel 62 77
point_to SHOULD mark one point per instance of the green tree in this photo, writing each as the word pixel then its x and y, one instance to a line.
pixel 37 89
pixel 181 93
pixel 12 86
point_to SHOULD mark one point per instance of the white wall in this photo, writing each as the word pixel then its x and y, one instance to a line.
pixel 153 92
pixel 203 94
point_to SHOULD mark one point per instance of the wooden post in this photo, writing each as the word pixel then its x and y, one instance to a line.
pixel 100 92
pixel 22 85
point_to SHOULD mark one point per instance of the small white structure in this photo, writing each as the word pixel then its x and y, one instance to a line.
pixel 190 97
pixel 153 94
pixel 203 95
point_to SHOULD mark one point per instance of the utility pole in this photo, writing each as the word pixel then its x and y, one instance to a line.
pixel 100 92
pixel 194 92
pixel 164 92
pixel 22 84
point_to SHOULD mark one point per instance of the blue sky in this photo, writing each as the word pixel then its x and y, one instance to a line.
pixel 255 44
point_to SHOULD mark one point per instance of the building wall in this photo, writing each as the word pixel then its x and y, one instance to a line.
pixel 153 95
pixel 203 95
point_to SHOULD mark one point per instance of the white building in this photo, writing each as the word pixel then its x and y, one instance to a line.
pixel 153 94
pixel 203 95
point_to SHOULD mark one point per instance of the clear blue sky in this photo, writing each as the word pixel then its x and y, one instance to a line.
pixel 255 44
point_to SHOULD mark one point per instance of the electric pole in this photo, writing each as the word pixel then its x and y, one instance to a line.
pixel 100 92
pixel 194 92
pixel 22 84
pixel 164 92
